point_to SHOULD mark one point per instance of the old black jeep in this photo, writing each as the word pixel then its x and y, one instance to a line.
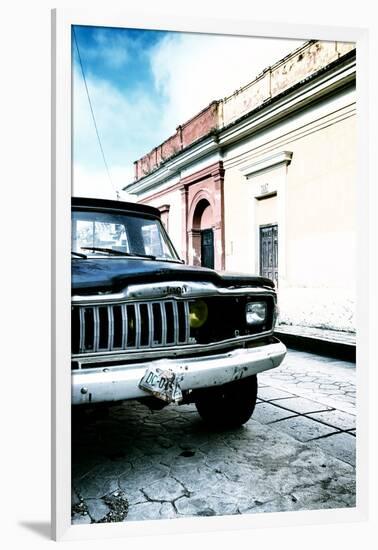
pixel 145 326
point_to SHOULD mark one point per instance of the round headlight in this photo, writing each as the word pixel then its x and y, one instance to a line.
pixel 255 313
pixel 198 313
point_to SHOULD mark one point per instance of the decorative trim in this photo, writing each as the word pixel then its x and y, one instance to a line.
pixel 302 94
pixel 267 162
pixel 148 198
pixel 215 170
pixel 173 166
pixel 202 194
pixel 309 127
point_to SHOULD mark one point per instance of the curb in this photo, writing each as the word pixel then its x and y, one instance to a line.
pixel 338 350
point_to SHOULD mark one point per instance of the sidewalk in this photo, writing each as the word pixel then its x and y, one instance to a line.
pixel 331 343
pixel 313 399
pixel 326 380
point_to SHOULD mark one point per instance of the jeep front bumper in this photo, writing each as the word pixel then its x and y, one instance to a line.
pixel 117 383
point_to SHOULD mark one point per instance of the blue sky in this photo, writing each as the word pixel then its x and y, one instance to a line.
pixel 142 85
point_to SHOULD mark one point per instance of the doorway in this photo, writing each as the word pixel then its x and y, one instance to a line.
pixel 202 235
pixel 207 248
pixel 269 252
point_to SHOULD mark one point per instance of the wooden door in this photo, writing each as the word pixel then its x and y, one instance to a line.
pixel 269 252
pixel 207 248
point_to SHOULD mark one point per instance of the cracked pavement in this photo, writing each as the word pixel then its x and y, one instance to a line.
pixel 296 453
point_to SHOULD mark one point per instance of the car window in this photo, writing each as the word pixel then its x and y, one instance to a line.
pixel 120 232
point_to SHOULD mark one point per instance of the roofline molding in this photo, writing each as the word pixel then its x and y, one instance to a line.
pixel 313 88
pixel 266 163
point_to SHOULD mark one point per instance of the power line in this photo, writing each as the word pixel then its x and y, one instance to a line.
pixel 93 115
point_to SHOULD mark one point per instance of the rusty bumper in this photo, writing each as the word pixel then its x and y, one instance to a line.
pixel 95 385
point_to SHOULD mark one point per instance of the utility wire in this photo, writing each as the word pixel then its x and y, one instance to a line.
pixel 93 115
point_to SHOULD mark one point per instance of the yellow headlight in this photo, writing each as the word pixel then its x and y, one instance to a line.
pixel 198 313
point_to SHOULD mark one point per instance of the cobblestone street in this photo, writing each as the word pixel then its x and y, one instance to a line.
pixel 296 453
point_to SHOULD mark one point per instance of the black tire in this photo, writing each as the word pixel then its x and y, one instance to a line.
pixel 228 406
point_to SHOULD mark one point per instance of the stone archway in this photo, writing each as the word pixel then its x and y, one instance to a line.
pixel 201 238
pixel 202 206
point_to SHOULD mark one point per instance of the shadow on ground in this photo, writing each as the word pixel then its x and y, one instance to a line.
pixel 136 464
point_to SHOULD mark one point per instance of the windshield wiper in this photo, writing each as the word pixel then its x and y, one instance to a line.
pixel 79 254
pixel 117 252
pixel 171 260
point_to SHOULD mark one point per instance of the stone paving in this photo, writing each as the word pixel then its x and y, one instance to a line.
pixel 324 379
pixel 296 453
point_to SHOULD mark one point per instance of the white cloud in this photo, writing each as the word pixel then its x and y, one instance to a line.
pixel 124 126
pixel 190 71
pixel 193 69
pixel 95 183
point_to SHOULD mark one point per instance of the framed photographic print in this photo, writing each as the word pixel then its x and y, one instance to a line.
pixel 207 240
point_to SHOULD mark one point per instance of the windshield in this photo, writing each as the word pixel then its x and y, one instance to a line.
pixel 122 233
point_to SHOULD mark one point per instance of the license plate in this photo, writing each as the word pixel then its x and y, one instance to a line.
pixel 162 383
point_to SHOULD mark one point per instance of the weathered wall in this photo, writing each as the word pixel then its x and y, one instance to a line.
pixel 321 229
pixel 194 129
pixel 315 211
pixel 243 214
pixel 279 77
pixel 205 185
pixel 313 189
pixel 320 205
pixel 182 198
pixel 284 74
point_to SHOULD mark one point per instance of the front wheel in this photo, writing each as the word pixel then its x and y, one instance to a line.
pixel 228 406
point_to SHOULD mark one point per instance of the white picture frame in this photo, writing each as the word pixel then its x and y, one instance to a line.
pixel 61 294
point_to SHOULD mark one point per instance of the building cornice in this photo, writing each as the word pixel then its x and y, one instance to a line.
pixel 267 162
pixel 173 166
pixel 214 170
pixel 313 89
pixel 316 86
pixel 285 141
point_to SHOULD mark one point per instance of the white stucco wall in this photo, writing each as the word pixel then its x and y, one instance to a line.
pixel 315 211
pixel 301 151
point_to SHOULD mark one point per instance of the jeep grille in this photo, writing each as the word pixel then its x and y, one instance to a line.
pixel 128 326
pixel 155 324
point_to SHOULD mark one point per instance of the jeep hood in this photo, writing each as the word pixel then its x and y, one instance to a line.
pixel 93 275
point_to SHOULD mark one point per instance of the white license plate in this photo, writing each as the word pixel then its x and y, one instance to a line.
pixel 162 383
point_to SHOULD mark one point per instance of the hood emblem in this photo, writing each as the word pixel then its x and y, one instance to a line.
pixel 174 290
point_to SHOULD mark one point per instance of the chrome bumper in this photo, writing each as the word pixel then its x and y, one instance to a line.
pixel 95 385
